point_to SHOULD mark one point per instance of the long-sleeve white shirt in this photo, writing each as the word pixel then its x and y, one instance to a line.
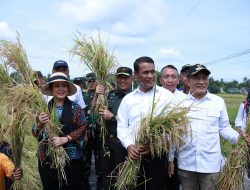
pixel 134 106
pixel 241 119
pixel 208 120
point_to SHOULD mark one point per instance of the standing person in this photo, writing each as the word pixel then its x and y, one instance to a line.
pixel 93 131
pixel 200 158
pixel 7 169
pixel 62 66
pixel 241 121
pixel 114 152
pixel 132 108
pixel 71 116
pixel 184 79
pixel 80 82
pixel 39 79
pixel 169 80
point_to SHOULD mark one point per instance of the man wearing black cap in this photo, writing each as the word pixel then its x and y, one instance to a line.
pixel 93 147
pixel 80 81
pixel 183 77
pixel 62 66
pixel 200 158
pixel 116 152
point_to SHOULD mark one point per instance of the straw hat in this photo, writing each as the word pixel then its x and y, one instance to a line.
pixel 58 76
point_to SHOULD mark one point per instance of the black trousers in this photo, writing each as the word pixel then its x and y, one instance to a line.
pixel 152 175
pixel 117 155
pixel 173 183
pixel 94 146
pixel 49 176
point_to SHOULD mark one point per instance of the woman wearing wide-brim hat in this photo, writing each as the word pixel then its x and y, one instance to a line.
pixel 72 119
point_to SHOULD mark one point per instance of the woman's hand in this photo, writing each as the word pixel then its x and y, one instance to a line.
pixel 42 119
pixel 59 141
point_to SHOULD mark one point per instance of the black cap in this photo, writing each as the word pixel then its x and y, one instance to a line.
pixel 38 74
pixel 90 76
pixel 185 68
pixel 194 69
pixel 78 80
pixel 60 63
pixel 124 71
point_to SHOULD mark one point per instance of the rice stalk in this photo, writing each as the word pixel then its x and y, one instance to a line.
pixel 232 174
pixel 26 99
pixel 95 55
pixel 161 132
pixel 14 56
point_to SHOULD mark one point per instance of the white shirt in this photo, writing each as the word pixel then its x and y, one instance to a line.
pixel 241 119
pixel 208 120
pixel 134 106
pixel 179 96
pixel 77 97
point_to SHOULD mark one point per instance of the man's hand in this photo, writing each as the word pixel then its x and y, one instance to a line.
pixel 144 149
pixel 133 153
pixel 107 115
pixel 100 89
pixel 170 168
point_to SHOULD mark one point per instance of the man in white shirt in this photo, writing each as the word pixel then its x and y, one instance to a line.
pixel 200 159
pixel 132 108
pixel 62 66
pixel 169 80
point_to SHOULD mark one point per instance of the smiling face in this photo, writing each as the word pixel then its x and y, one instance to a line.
pixel 124 82
pixel 146 76
pixel 169 79
pixel 199 85
pixel 60 90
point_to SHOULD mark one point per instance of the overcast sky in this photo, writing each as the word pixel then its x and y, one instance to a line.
pixel 174 32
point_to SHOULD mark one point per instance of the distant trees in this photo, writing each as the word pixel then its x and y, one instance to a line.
pixel 215 86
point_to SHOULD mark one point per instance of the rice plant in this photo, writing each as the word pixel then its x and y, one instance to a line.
pixel 232 174
pixel 162 132
pixel 95 55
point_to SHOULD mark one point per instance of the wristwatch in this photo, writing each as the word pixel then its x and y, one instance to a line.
pixel 113 118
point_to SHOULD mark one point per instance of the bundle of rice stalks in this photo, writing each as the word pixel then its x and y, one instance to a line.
pixel 14 55
pixel 33 100
pixel 162 132
pixel 96 57
pixel 232 174
pixel 26 100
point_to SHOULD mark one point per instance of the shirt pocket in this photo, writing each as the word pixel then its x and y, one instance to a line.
pixel 213 118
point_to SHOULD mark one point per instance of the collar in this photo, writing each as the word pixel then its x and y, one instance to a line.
pixel 207 96
pixel 157 88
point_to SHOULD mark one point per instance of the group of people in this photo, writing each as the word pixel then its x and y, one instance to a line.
pixel 195 166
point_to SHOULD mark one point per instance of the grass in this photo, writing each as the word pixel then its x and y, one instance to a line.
pixel 232 102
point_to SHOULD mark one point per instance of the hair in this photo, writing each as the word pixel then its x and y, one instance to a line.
pixel 140 60
pixel 171 67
